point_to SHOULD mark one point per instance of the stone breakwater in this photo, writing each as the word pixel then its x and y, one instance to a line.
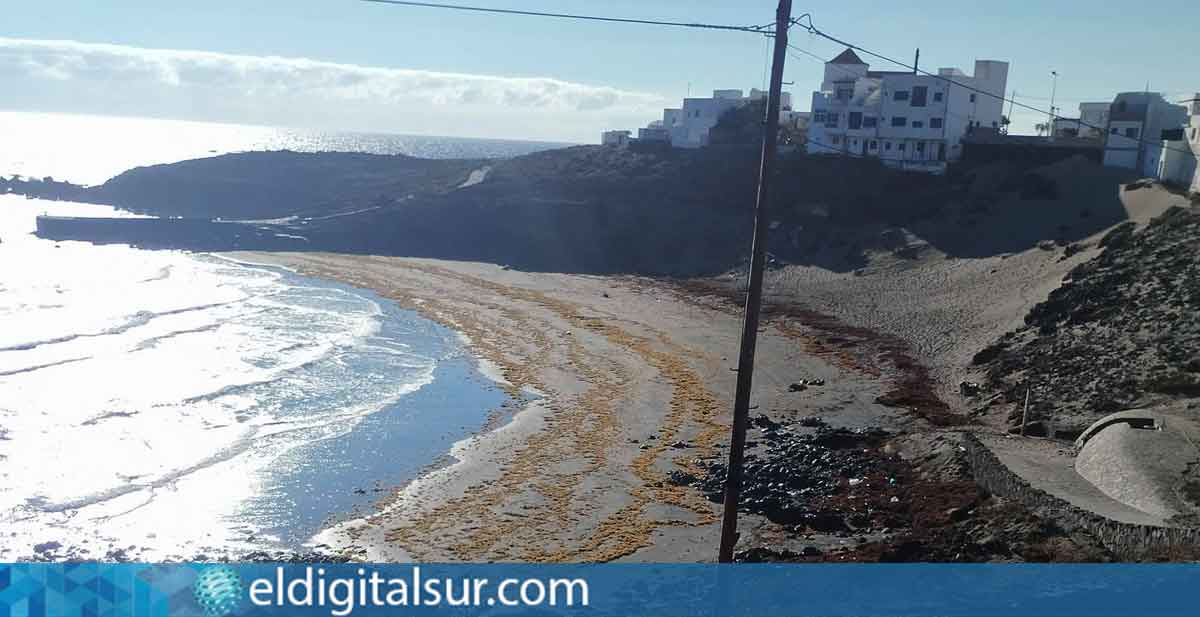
pixel 1126 541
pixel 154 233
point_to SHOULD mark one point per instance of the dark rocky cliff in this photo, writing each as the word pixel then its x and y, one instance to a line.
pixel 581 209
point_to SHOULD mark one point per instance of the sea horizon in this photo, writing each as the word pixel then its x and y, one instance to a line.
pixel 89 149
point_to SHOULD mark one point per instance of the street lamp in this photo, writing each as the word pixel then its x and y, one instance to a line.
pixel 1053 92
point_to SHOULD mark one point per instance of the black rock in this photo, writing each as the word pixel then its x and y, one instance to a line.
pixel 970 388
pixel 47 547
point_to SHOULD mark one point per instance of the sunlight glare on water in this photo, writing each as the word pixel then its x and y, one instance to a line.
pixel 91 149
pixel 162 405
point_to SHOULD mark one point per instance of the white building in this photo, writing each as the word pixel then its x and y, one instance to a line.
pixel 615 138
pixel 796 120
pixel 688 127
pixel 909 120
pixel 1136 121
pixel 1092 122
pixel 1193 136
pixel 785 98
pixel 1181 158
pixel 654 132
pixel 1177 163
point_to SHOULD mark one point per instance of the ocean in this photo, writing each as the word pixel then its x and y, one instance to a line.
pixel 159 405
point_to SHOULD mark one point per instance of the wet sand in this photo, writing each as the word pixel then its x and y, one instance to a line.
pixel 626 380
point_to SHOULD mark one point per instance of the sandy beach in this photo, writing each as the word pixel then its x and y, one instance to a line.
pixel 626 382
pixel 623 388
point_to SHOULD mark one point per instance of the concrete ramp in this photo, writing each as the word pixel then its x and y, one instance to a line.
pixel 1145 459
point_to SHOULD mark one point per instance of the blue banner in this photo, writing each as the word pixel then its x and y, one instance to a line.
pixel 220 590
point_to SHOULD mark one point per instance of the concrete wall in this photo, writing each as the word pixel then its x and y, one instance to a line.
pixel 1127 541
pixel 1026 154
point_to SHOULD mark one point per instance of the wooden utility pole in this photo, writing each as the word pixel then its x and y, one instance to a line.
pixel 758 251
pixel 1025 413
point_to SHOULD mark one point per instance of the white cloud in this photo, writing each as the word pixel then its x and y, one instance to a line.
pixel 100 78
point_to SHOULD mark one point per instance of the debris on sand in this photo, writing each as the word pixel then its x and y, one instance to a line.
pixel 805 384
pixel 852 488
pixel 801 477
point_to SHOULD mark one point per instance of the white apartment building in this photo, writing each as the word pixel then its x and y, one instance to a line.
pixel 909 120
pixel 1136 121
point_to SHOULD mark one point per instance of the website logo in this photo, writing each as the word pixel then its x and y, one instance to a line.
pixel 218 591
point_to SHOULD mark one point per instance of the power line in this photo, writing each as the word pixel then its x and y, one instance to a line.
pixel 817 57
pixel 622 20
pixel 812 29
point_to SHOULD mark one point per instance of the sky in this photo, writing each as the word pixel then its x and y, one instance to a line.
pixel 352 65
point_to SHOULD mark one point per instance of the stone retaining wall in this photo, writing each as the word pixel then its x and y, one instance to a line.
pixel 1127 541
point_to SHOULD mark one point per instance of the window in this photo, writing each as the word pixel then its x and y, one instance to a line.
pixel 972 97
pixel 919 95
pixel 855 144
pixel 899 121
pixel 831 120
pixel 900 146
pixel 1131 132
pixel 918 124
pixel 901 95
pixel 819 116
pixel 887 145
pixel 935 123
pixel 844 94
pixel 855 119
pixel 1114 131
pixel 870 122
pixel 837 141
pixel 920 146
pixel 937 97
pixel 875 145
